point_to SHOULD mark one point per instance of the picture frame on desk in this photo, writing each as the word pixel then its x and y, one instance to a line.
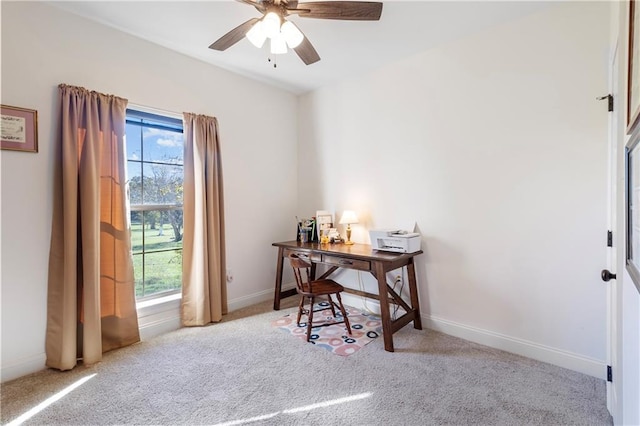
pixel 324 222
pixel 18 129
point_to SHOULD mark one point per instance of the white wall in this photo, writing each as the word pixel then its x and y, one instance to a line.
pixel 42 47
pixel 496 146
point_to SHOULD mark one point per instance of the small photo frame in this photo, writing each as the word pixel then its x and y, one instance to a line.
pixel 324 220
pixel 19 129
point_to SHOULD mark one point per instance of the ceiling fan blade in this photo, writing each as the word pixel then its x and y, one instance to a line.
pixel 307 52
pixel 347 10
pixel 255 3
pixel 233 36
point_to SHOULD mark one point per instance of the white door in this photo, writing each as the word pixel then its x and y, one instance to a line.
pixel 613 295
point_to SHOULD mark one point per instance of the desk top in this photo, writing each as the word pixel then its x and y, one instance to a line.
pixel 354 251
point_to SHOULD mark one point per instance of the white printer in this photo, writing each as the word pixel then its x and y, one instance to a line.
pixel 395 240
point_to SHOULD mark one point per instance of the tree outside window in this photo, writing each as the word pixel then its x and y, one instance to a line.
pixel 155 175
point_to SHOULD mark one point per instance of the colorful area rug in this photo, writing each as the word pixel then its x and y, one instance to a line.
pixel 364 329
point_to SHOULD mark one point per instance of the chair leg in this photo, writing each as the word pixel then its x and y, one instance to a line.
pixel 300 309
pixel 310 318
pixel 344 313
pixel 333 311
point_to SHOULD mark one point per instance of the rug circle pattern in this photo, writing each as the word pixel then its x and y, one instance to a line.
pixel 365 327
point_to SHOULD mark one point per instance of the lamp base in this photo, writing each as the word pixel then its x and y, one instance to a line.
pixel 348 243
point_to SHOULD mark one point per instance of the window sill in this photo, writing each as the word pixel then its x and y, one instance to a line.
pixel 161 304
pixel 158 301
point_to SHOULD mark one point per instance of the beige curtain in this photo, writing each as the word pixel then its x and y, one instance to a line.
pixel 91 300
pixel 204 292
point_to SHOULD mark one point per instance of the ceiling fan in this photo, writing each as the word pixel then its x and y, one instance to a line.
pixel 282 33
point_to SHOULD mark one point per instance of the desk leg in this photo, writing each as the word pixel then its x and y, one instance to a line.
pixel 387 331
pixel 413 293
pixel 276 296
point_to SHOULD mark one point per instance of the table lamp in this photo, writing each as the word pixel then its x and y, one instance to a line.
pixel 348 217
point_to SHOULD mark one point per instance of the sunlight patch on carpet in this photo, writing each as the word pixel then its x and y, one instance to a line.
pixel 56 397
pixel 322 404
pixel 364 328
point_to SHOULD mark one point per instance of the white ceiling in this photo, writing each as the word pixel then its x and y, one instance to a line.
pixel 347 48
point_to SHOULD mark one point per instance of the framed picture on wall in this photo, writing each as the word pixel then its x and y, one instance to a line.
pixel 19 129
pixel 632 180
pixel 633 74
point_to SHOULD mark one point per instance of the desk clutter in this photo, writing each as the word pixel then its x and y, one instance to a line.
pixel 320 228
pixel 317 229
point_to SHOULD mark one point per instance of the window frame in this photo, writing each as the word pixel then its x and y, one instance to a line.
pixel 161 120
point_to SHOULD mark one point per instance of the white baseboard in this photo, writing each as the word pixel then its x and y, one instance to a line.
pixel 251 299
pixel 170 321
pixel 23 367
pixel 158 320
pixel 560 358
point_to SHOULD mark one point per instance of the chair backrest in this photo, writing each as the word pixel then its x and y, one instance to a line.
pixel 301 270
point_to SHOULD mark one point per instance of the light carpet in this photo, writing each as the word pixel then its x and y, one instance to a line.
pixel 243 371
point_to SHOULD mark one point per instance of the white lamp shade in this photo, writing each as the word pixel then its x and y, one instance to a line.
pixel 256 36
pixel 278 45
pixel 292 35
pixel 271 24
pixel 349 216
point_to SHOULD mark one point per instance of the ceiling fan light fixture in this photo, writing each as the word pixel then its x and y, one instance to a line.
pixel 283 35
pixel 271 24
pixel 291 34
pixel 278 45
pixel 256 35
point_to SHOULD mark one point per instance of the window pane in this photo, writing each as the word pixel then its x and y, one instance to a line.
pixel 134 175
pixel 162 272
pixel 136 232
pixel 156 241
pixel 134 142
pixel 162 184
pixel 163 230
pixel 138 274
pixel 163 146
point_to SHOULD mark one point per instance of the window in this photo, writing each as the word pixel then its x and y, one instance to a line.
pixel 155 174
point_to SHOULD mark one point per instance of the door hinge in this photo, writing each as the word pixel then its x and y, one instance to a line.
pixel 609 239
pixel 609 99
pixel 609 374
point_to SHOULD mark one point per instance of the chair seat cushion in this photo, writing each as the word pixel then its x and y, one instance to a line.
pixel 320 287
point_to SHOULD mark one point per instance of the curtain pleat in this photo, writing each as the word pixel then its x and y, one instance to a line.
pixel 91 294
pixel 204 292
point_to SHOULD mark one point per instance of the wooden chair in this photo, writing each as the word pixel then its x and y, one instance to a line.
pixel 310 289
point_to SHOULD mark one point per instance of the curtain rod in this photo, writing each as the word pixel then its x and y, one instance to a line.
pixel 153 110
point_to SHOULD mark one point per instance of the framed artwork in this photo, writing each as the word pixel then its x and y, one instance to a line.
pixel 633 74
pixel 324 220
pixel 632 180
pixel 19 129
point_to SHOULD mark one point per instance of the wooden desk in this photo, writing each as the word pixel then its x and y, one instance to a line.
pixel 360 257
